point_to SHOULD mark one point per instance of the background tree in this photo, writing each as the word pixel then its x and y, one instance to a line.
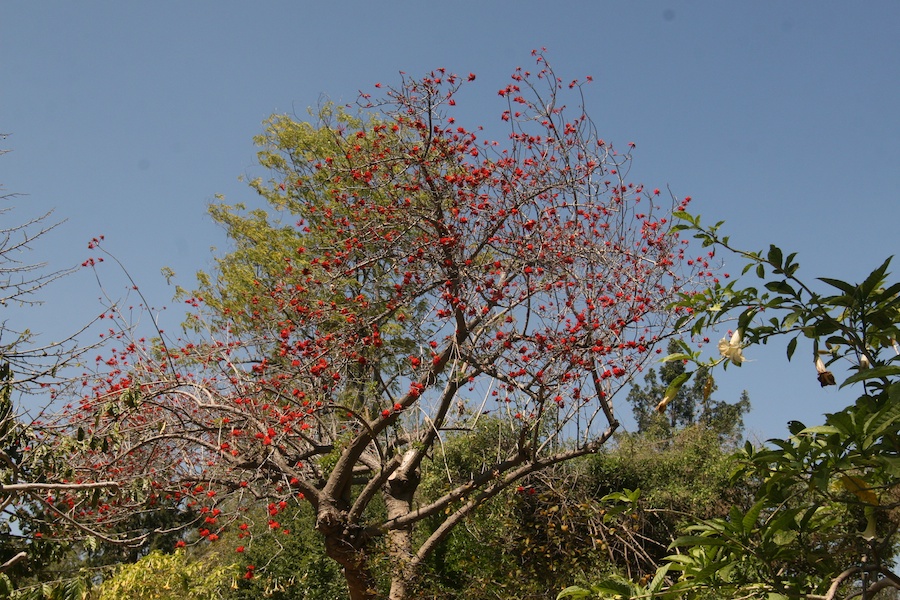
pixel 691 404
pixel 437 280
pixel 569 521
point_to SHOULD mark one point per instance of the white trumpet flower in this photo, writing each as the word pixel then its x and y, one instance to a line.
pixel 731 349
pixel 824 376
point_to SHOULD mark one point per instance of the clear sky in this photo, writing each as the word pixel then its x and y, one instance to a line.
pixel 781 118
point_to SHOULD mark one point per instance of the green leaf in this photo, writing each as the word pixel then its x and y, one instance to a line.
pixel 891 291
pixel 875 279
pixel 784 537
pixel 821 430
pixel 684 216
pixel 698 540
pixel 745 318
pixel 676 356
pixel 781 287
pixel 841 285
pixel 749 521
pixel 890 464
pixel 659 579
pixel 893 392
pixel 790 319
pixel 791 347
pixel 882 420
pixel 790 264
pixel 796 427
pixel 677 383
pixel 874 373
pixel 574 591
pixel 774 256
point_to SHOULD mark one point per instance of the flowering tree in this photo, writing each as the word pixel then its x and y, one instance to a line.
pixel 426 280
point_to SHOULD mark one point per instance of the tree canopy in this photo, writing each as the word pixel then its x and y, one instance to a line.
pixel 411 282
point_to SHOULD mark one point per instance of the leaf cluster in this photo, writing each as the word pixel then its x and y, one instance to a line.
pixel 823 520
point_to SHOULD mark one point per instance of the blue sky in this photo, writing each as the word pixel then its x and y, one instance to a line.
pixel 780 118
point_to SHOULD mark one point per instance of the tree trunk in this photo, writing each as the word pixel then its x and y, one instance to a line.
pixel 344 544
pixel 400 550
pixel 398 496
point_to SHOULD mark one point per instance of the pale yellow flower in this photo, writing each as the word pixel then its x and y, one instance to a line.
pixel 732 349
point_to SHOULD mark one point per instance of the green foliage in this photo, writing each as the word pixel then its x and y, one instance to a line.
pixel 74 588
pixel 573 520
pixel 284 246
pixel 291 248
pixel 516 546
pixel 523 542
pixel 651 488
pixel 617 587
pixel 822 522
pixel 290 566
pixel 33 567
pixel 159 576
